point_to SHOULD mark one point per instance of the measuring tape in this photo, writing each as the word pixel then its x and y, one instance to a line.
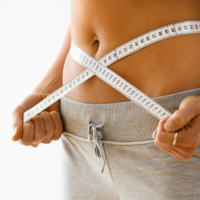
pixel 99 68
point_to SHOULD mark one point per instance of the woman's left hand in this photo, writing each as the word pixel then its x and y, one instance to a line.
pixel 187 119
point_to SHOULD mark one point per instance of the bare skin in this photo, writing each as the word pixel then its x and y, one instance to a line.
pixel 166 67
pixel 100 26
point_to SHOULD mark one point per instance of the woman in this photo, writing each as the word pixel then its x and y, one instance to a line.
pixel 167 71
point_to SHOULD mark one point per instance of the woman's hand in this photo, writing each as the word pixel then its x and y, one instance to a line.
pixel 187 119
pixel 43 128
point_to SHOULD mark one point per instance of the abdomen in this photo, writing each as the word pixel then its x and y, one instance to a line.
pixel 166 67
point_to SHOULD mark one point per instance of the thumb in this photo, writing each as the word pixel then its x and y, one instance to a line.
pixel 189 109
pixel 17 123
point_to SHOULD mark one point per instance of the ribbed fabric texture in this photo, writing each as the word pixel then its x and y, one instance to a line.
pixel 133 166
pixel 123 121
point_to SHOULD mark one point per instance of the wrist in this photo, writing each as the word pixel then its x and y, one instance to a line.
pixel 50 83
pixel 46 88
pixel 40 88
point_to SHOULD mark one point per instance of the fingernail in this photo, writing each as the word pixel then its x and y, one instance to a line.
pixel 14 131
pixel 153 135
pixel 168 126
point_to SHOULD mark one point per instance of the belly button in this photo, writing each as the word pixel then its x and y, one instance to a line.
pixel 95 45
pixel 95 41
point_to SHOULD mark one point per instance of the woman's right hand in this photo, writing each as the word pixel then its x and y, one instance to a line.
pixel 43 128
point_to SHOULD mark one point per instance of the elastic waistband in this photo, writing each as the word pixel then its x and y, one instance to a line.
pixel 119 122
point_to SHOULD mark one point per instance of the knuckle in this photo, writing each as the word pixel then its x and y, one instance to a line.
pixel 28 126
pixel 37 118
pixel 49 127
pixel 194 99
pixel 190 99
pixel 56 118
pixel 44 112
pixel 54 114
pixel 39 135
pixel 58 122
pixel 178 118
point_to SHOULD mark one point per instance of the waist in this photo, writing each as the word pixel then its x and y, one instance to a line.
pixel 159 69
pixel 163 68
pixel 122 121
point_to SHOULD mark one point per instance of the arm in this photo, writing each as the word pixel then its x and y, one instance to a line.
pixel 53 79
pixel 47 125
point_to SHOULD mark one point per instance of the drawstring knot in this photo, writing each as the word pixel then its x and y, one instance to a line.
pixel 94 134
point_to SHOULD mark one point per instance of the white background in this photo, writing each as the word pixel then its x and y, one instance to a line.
pixel 31 35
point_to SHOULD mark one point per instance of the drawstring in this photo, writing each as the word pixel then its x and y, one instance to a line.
pixel 94 134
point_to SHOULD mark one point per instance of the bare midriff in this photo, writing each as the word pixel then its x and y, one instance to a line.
pixel 169 66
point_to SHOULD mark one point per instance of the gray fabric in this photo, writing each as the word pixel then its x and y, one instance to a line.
pixel 121 136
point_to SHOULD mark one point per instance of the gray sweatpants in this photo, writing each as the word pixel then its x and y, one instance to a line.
pixel 116 138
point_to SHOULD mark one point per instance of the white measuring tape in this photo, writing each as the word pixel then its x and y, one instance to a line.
pixel 99 68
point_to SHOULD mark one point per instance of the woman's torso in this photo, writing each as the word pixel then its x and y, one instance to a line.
pixel 163 68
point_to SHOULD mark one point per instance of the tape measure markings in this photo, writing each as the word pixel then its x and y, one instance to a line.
pixel 187 27
pixel 155 36
pixel 121 85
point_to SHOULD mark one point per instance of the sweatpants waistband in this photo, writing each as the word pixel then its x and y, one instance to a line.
pixel 119 122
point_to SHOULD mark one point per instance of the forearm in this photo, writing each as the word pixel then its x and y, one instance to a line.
pixel 53 79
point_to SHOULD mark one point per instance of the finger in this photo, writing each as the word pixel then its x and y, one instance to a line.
pixel 57 124
pixel 39 128
pixel 155 132
pixel 189 109
pixel 49 127
pixel 164 137
pixel 28 134
pixel 167 149
pixel 160 127
pixel 17 116
pixel 185 150
pixel 186 137
pixel 194 124
pixel 34 144
pixel 182 153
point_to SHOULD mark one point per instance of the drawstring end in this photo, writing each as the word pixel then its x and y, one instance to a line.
pixel 102 169
pixel 94 134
